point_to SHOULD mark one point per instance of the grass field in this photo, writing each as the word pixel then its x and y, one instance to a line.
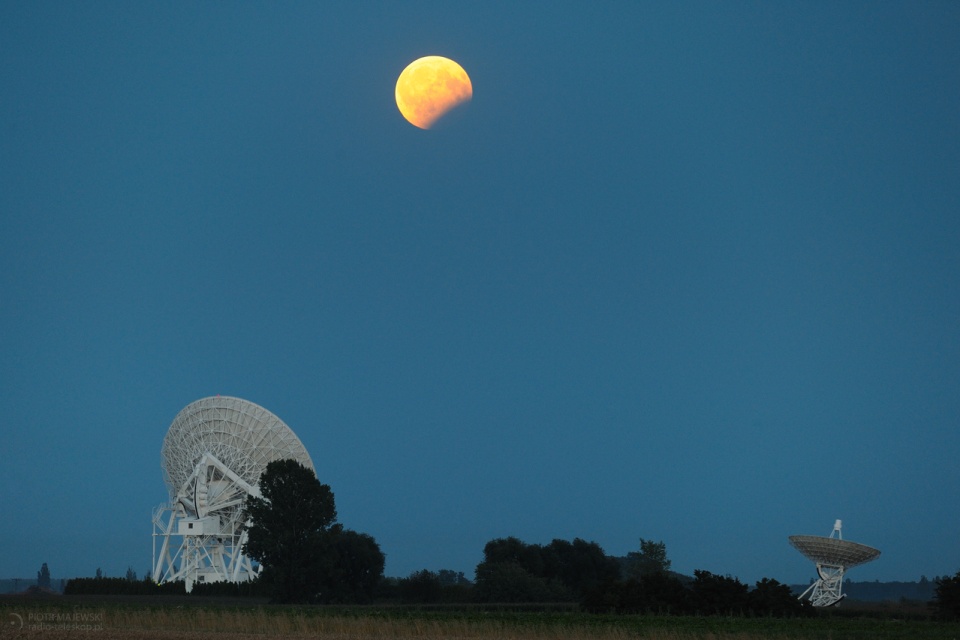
pixel 119 619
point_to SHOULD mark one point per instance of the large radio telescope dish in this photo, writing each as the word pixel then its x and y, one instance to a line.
pixel 212 458
pixel 242 435
pixel 833 555
pixel 834 550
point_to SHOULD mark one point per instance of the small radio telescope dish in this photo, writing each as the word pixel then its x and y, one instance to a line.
pixel 212 458
pixel 833 555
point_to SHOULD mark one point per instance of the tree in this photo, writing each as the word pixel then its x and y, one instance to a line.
pixel 946 602
pixel 560 571
pixel 514 550
pixel 652 558
pixel 292 531
pixel 357 568
pixel 579 565
pixel 131 574
pixel 772 598
pixel 99 573
pixel 719 595
pixel 43 577
pixel 450 578
pixel 421 587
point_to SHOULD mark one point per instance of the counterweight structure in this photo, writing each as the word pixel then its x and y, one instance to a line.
pixel 833 556
pixel 212 458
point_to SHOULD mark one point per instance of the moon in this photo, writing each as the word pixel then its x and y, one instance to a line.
pixel 430 87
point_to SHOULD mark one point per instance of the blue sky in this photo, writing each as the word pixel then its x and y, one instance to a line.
pixel 681 271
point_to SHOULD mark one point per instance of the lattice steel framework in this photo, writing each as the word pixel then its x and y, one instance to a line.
pixel 212 458
pixel 833 556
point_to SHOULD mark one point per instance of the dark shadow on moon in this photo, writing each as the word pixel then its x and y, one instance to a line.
pixel 452 117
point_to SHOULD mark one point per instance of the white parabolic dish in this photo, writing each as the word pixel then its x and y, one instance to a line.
pixel 833 551
pixel 242 435
pixel 212 458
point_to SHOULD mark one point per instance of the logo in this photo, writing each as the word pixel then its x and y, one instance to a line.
pixel 16 622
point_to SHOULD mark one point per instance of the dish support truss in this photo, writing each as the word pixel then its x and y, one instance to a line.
pixel 201 535
pixel 828 590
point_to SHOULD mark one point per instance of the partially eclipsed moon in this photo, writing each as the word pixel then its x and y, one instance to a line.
pixel 430 87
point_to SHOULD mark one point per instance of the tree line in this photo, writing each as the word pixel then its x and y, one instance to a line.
pixel 579 571
pixel 306 556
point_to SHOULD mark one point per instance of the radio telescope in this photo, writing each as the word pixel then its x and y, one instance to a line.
pixel 833 556
pixel 212 458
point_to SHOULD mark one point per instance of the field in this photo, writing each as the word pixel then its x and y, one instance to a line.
pixel 128 618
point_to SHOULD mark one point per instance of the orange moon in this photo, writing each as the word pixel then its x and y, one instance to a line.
pixel 430 87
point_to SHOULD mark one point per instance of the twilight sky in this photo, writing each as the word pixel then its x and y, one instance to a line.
pixel 682 271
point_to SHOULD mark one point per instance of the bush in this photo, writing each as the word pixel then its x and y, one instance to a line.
pixel 509 582
pixel 249 589
pixel 121 587
pixel 663 593
pixel 658 593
